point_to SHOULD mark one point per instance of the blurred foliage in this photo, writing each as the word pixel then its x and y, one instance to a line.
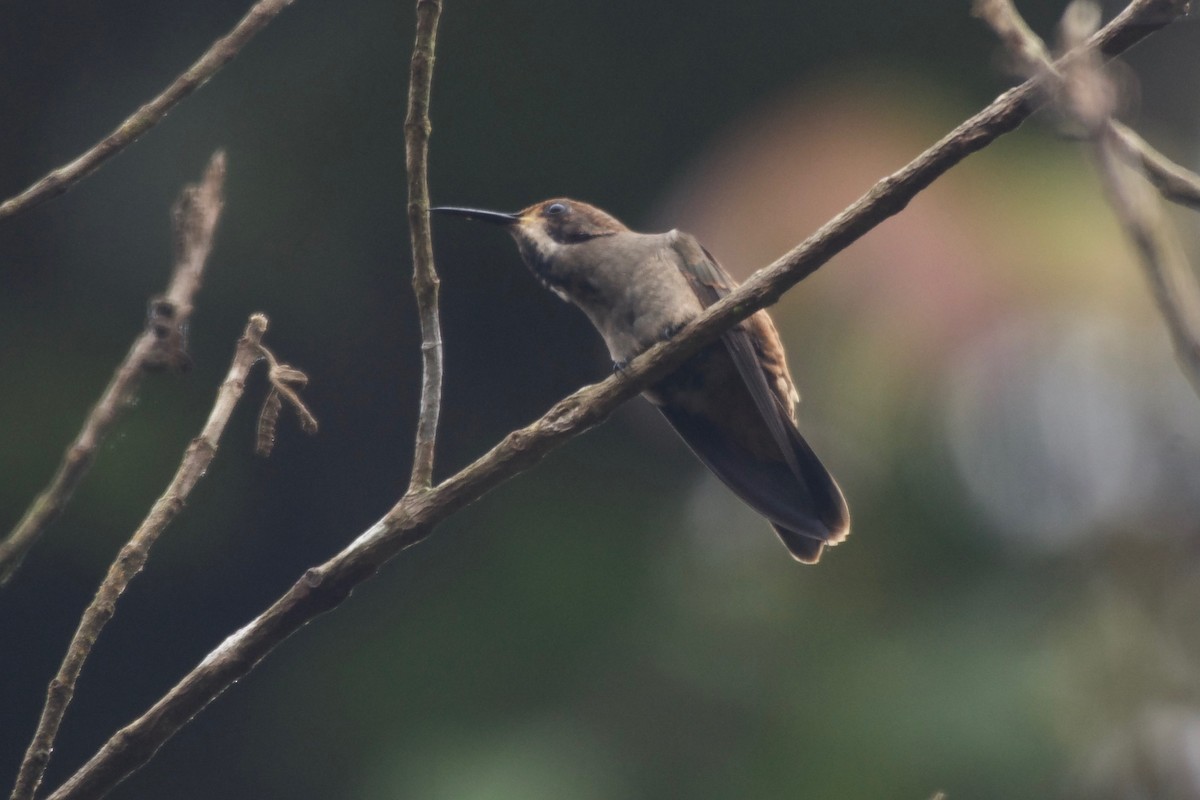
pixel 1013 616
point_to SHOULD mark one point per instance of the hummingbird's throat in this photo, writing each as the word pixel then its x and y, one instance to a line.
pixel 537 251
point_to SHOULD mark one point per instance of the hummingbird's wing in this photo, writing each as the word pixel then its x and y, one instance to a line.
pixel 797 494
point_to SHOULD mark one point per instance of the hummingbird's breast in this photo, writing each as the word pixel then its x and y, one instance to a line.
pixel 630 287
pixel 633 288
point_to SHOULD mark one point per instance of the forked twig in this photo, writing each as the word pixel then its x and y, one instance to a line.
pixel 285 380
pixel 161 344
pixel 1172 283
pixel 1084 93
pixel 1173 181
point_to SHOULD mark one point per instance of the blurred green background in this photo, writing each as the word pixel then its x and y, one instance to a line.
pixel 1014 615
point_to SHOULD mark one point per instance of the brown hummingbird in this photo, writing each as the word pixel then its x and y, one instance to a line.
pixel 733 402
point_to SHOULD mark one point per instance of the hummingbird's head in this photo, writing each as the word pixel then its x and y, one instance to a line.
pixel 550 235
pixel 564 221
pixel 543 229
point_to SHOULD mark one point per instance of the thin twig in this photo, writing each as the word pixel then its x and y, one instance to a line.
pixel 132 558
pixel 1084 93
pixel 425 279
pixel 220 53
pixel 414 517
pixel 161 344
pixel 285 381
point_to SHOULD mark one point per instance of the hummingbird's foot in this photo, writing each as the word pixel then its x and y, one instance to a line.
pixel 619 366
pixel 670 331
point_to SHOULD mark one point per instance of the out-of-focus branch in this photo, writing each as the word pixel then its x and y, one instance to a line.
pixel 1171 278
pixel 1174 182
pixel 1163 258
pixel 414 517
pixel 161 345
pixel 220 53
pixel 1084 93
pixel 425 279
pixel 1015 34
pixel 132 558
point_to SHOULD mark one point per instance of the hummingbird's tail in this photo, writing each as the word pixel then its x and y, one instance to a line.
pixel 804 506
pixel 803 547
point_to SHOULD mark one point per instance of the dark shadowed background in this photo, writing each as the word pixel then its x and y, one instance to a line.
pixel 1014 615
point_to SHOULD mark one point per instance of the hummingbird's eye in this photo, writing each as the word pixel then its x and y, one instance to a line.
pixel 554 209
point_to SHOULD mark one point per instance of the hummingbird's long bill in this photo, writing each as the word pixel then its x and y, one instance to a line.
pixel 494 217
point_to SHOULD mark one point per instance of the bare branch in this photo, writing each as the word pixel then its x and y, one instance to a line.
pixel 220 53
pixel 414 517
pixel 425 279
pixel 1085 93
pixel 161 344
pixel 132 558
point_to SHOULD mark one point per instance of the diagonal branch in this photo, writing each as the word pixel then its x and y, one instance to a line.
pixel 425 279
pixel 220 53
pixel 162 344
pixel 132 558
pixel 414 517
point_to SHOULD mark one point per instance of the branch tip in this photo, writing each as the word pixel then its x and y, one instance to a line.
pixel 61 179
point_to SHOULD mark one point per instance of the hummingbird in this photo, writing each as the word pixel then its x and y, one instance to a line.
pixel 733 402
